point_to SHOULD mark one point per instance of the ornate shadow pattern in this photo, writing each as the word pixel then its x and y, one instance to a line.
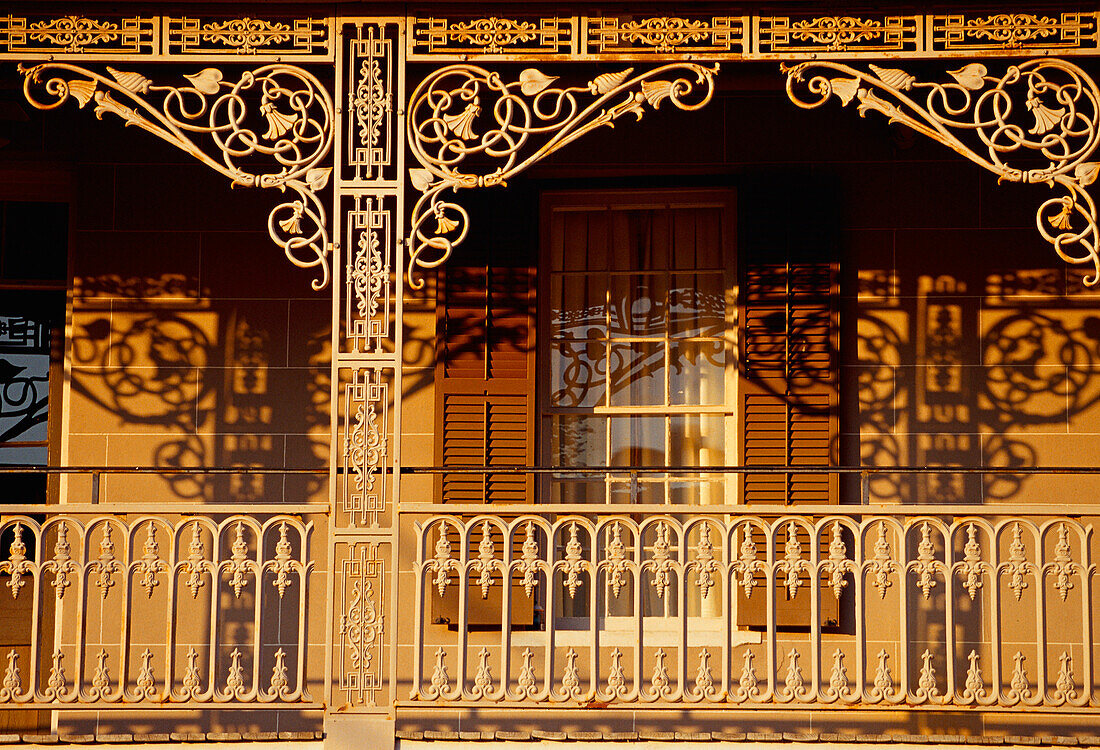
pixel 1050 139
pixel 462 141
pixel 292 126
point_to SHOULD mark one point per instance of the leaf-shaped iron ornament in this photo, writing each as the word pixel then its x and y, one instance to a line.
pixel 469 128
pixel 271 127
pixel 1038 122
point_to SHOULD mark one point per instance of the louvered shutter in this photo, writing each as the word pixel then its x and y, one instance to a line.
pixel 485 381
pixel 789 401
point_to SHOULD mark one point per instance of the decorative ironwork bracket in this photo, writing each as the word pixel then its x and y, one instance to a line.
pixel 1057 128
pixel 292 126
pixel 446 135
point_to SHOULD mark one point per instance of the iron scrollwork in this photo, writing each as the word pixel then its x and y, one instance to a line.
pixel 448 110
pixel 1059 124
pixel 292 126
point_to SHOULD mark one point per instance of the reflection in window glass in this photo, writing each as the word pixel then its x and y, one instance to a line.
pixel 641 330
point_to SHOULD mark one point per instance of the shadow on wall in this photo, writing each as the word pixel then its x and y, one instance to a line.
pixel 191 383
pixel 999 370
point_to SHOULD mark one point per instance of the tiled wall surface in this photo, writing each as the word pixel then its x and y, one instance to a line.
pixel 193 342
pixel 964 340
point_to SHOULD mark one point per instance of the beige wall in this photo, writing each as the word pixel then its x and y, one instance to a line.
pixel 964 339
pixel 193 341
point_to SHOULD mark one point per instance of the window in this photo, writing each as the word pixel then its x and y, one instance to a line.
pixel 660 344
pixel 639 330
pixel 33 279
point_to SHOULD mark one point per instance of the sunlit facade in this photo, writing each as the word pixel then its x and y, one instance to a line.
pixel 381 376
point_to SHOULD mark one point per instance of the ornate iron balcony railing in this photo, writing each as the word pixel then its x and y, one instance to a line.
pixel 937 607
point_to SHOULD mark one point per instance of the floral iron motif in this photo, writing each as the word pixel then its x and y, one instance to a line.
pixel 450 125
pixel 746 565
pixel 926 680
pixel 483 680
pixel 571 680
pixel 1063 563
pixel 11 683
pixel 573 562
pixel 1020 684
pixel 150 563
pixel 192 679
pixel 660 680
pixel 239 564
pixel 106 565
pixel 440 679
pixel 747 683
pixel 530 560
pixel 662 562
pixel 837 563
pixel 101 677
pixel 616 677
pixel 283 563
pixel 972 562
pixel 196 563
pixel 704 564
pixel 146 683
pixel 63 564
pixel 616 557
pixel 526 681
pixel 793 682
pixel 792 561
pixel 1065 687
pixel 292 128
pixel 838 677
pixel 16 565
pixel 882 564
pixel 974 687
pixel 883 685
pixel 280 684
pixel 1017 563
pixel 486 559
pixel 234 683
pixel 704 681
pixel 1060 126
pixel 926 561
pixel 443 561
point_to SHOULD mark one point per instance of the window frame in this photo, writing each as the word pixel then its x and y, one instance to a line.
pixel 552 201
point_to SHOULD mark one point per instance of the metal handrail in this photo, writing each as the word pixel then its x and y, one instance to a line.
pixel 160 470
pixel 485 469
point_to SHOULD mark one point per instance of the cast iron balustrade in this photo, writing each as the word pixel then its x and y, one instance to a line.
pixel 939 606
pixel 171 604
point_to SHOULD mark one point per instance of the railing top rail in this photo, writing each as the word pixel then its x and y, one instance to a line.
pixel 179 507
pixel 632 509
pixel 858 470
pixel 564 470
pixel 159 470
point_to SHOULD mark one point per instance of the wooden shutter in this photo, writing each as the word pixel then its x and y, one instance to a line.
pixel 789 401
pixel 485 374
pixel 485 407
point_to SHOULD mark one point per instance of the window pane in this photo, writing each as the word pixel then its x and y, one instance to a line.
pixel 697 439
pixel 636 305
pixel 697 305
pixel 638 441
pixel 705 492
pixel 697 372
pixel 24 388
pixel 578 440
pixel 636 373
pixel 578 307
pixel 649 491
pixel 577 368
